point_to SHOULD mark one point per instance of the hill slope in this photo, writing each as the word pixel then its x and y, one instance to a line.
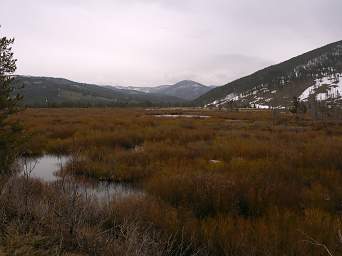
pixel 47 91
pixel 186 90
pixel 313 74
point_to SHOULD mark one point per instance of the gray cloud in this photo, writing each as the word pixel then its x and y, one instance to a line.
pixel 151 42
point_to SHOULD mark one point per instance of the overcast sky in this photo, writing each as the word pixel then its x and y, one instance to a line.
pixel 154 42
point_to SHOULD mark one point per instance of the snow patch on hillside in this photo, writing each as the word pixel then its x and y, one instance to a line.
pixel 253 96
pixel 259 106
pixel 330 85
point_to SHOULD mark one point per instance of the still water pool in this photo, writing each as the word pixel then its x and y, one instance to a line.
pixel 47 167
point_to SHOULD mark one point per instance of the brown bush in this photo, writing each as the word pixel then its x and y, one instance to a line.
pixel 237 183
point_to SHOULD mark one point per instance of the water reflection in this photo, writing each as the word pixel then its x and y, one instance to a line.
pixel 181 115
pixel 44 168
pixel 47 168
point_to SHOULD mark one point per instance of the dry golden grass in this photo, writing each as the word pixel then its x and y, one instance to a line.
pixel 237 183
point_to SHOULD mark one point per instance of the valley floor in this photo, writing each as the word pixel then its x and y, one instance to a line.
pixel 214 182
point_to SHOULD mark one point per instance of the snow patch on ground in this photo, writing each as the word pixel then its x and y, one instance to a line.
pixel 259 106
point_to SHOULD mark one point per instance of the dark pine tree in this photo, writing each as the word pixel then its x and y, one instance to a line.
pixel 9 130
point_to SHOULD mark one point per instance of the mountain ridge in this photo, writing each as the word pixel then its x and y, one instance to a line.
pixel 186 89
pixel 50 91
pixel 276 85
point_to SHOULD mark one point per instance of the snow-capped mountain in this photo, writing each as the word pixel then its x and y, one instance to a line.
pixel 313 75
pixel 186 90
